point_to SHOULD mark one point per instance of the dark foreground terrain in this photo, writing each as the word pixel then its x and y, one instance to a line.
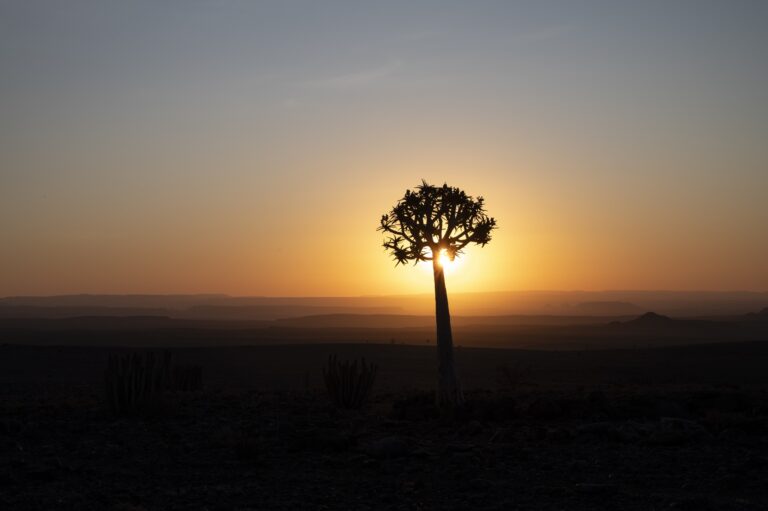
pixel 674 428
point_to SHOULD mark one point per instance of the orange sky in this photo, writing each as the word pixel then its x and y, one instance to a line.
pixel 221 152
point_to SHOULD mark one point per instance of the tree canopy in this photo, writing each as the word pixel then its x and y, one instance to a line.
pixel 431 219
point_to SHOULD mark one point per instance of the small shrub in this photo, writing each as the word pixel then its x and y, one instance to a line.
pixel 188 378
pixel 135 381
pixel 348 383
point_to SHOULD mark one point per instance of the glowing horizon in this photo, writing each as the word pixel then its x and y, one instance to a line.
pixel 250 149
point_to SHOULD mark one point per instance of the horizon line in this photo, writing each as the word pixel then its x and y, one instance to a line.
pixel 425 294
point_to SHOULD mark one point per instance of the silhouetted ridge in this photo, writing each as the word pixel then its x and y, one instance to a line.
pixel 652 319
pixel 759 316
pixel 652 322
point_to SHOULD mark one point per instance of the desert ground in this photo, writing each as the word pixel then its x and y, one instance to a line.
pixel 650 428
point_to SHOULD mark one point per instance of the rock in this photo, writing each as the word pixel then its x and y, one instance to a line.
pixel 333 440
pixel 596 488
pixel 10 427
pixel 6 478
pixel 415 408
pixel 578 465
pixel 473 428
pixel 552 491
pixel 248 448
pixel 694 502
pixel 730 481
pixel 388 447
pixel 41 473
pixel 666 408
pixel 674 431
pixel 733 435
pixel 224 437
pixel 560 435
pixel 528 433
pixel 503 436
pixel 463 459
pixel 546 409
pixel 627 432
pixel 461 447
pixel 123 506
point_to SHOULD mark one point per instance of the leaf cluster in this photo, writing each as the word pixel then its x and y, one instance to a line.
pixel 430 219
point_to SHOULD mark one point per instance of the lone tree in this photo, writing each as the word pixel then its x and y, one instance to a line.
pixel 426 222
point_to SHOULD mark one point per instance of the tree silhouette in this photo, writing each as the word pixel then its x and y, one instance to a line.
pixel 425 222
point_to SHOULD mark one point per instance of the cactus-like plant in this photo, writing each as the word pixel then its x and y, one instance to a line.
pixel 349 383
pixel 187 378
pixel 135 381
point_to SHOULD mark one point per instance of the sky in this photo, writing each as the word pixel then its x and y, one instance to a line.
pixel 250 148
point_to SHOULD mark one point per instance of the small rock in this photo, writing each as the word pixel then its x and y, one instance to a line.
pixel 560 435
pixel 733 435
pixel 42 474
pixel 461 447
pixel 473 428
pixel 545 409
pixel 619 432
pixel 674 431
pixel 224 437
pixel 388 447
pixel 248 448
pixel 6 478
pixel 10 427
pixel 696 502
pixel 334 440
pixel 596 488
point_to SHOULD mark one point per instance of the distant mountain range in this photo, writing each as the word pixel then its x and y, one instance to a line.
pixel 531 303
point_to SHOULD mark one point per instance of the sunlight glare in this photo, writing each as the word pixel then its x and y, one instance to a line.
pixel 444 261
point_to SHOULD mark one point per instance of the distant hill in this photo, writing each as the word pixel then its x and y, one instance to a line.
pixel 653 323
pixel 652 319
pixel 760 316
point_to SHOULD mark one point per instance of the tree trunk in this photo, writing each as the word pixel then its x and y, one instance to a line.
pixel 448 391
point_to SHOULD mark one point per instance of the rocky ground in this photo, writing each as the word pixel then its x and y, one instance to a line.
pixel 523 447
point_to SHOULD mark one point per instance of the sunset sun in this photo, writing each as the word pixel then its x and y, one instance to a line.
pixel 444 260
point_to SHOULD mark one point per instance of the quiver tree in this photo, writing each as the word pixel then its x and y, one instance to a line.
pixel 425 223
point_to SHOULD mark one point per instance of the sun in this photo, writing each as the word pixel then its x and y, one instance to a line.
pixel 445 261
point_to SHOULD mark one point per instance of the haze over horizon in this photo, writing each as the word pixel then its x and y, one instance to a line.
pixel 681 292
pixel 250 148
